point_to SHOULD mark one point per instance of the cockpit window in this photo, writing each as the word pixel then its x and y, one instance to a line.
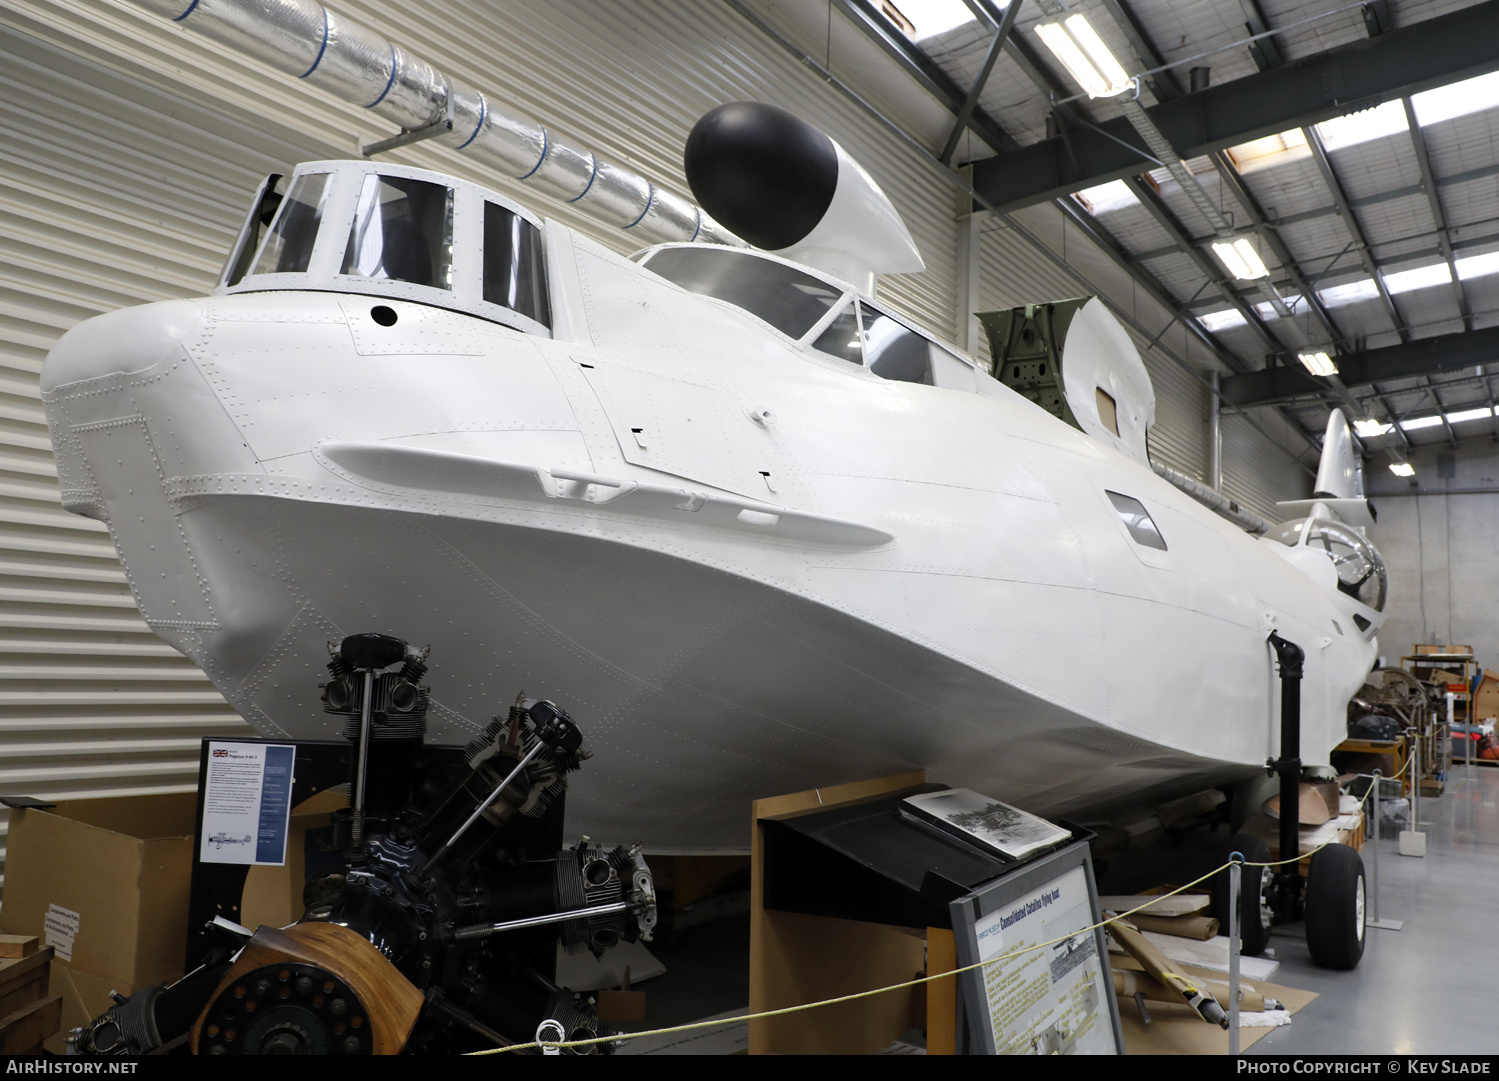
pixel 787 299
pixel 895 352
pixel 1361 571
pixel 403 231
pixel 1137 520
pixel 514 274
pixel 841 338
pixel 288 247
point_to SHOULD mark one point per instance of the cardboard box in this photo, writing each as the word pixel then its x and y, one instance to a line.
pixel 273 895
pixel 1486 698
pixel 114 876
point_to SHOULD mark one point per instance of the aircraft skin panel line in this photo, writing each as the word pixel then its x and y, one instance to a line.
pixel 757 532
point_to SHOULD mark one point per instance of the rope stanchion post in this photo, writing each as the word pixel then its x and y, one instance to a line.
pixel 1371 839
pixel 1235 865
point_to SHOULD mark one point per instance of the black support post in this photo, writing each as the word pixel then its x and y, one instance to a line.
pixel 1288 765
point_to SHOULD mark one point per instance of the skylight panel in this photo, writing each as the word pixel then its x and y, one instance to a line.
pixel 1422 277
pixel 1477 266
pixel 1213 322
pixel 1481 413
pixel 1349 292
pixel 1271 150
pixel 1457 99
pixel 1341 131
pixel 922 19
pixel 1368 428
pixel 1415 424
pixel 1102 198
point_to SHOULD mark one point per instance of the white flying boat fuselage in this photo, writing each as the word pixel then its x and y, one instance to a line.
pixel 744 561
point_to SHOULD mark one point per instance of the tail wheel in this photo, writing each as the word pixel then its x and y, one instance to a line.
pixel 1255 916
pixel 1335 907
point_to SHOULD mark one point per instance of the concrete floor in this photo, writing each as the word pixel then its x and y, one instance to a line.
pixel 1425 989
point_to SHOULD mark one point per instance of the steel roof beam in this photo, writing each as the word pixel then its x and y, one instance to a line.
pixel 1163 216
pixel 1434 201
pixel 1408 360
pixel 1359 75
pixel 1355 231
pixel 925 70
pixel 960 125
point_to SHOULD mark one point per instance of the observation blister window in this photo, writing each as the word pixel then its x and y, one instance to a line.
pixel 1137 520
pixel 784 297
pixel 403 231
pixel 288 246
pixel 1361 571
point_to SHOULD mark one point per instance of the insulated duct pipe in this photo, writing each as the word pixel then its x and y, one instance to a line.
pixel 1215 501
pixel 358 66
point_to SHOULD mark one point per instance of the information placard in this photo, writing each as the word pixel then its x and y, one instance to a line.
pixel 247 802
pixel 1057 999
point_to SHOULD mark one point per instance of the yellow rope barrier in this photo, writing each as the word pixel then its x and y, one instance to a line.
pixel 717 1021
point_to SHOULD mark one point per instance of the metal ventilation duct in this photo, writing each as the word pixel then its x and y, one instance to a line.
pixel 305 39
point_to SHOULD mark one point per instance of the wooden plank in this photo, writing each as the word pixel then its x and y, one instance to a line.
pixel 941 995
pixel 29 1026
pixel 18 945
pixel 796 959
pixel 31 991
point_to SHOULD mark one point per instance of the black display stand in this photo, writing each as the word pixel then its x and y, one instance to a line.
pixel 866 861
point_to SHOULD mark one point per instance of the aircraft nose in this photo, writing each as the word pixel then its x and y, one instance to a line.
pixel 119 343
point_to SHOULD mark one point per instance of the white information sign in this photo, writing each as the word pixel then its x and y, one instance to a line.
pixel 60 928
pixel 1049 1001
pixel 247 803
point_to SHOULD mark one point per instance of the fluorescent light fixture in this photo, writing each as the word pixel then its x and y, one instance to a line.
pixel 1242 261
pixel 1102 198
pixel 1318 363
pixel 1477 266
pixel 1369 428
pixel 1415 424
pixel 1481 413
pixel 922 19
pixel 1087 59
pixel 1402 469
pixel 1421 277
pixel 1213 322
pixel 1382 120
pixel 1457 99
pixel 1349 292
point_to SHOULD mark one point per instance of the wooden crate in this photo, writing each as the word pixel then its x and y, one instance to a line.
pixel 28 1015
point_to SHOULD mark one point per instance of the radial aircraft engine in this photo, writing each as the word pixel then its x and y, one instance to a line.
pixel 757 527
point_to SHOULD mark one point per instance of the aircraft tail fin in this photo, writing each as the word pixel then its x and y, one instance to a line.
pixel 1340 481
pixel 1338 473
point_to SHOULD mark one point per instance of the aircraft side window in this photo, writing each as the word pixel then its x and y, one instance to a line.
pixel 403 231
pixel 514 274
pixel 288 246
pixel 783 296
pixel 841 338
pixel 1137 520
pixel 893 351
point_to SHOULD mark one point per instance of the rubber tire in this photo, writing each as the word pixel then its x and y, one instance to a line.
pixel 1254 921
pixel 1336 907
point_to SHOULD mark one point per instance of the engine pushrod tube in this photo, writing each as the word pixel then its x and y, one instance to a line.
pixel 488 802
pixel 364 757
pixel 484 930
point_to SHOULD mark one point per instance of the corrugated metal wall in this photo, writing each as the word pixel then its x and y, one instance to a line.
pixel 128 149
